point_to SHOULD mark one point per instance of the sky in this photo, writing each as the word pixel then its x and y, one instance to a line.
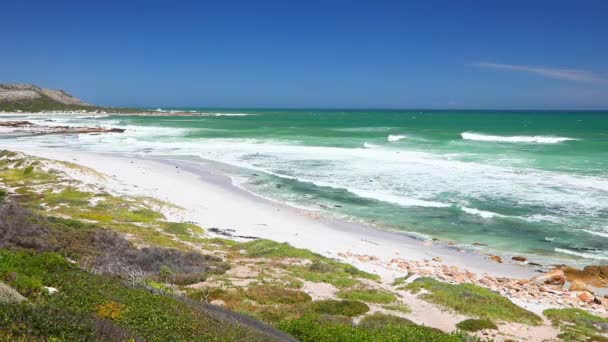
pixel 332 54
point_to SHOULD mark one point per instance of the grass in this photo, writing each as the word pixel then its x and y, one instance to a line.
pixel 349 308
pixel 320 269
pixel 472 300
pixel 276 295
pixel 474 325
pixel 403 308
pixel 380 321
pixel 83 299
pixel 577 324
pixel 262 248
pixel 179 228
pixel 368 295
pixel 313 328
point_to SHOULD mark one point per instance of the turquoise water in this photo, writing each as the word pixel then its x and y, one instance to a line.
pixel 531 183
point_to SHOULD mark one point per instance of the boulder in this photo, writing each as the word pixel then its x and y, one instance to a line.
pixel 595 275
pixel 554 277
pixel 495 258
pixel 519 258
pixel 9 295
pixel 578 285
pixel 585 296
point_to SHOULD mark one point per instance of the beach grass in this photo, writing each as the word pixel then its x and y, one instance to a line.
pixel 578 325
pixel 379 320
pixel 474 325
pixel 314 328
pixel 473 300
pixel 368 295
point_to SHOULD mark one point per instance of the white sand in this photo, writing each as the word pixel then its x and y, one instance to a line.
pixel 209 199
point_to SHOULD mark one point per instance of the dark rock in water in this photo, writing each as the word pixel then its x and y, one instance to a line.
pixel 495 258
pixel 519 258
pixel 28 128
pixel 15 124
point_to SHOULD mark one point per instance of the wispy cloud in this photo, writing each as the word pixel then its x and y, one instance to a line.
pixel 555 73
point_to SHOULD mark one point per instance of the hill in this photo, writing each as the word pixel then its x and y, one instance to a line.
pixel 31 98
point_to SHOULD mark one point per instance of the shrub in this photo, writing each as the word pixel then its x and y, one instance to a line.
pixel 28 170
pixel 474 325
pixel 380 320
pixel 270 249
pixel 110 310
pixel 577 324
pixel 473 300
pixel 273 294
pixel 350 308
pixel 368 295
pixel 312 328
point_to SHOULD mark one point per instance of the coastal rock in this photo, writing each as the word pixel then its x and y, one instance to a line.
pixel 495 258
pixel 585 296
pixel 519 258
pixel 554 277
pixel 578 285
pixel 594 275
pixel 9 295
pixel 14 124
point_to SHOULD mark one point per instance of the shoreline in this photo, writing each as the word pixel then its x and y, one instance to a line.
pixel 190 187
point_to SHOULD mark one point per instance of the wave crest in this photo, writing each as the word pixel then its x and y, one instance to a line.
pixel 539 139
pixel 395 137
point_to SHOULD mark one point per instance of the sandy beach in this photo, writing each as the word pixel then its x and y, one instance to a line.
pixel 203 194
pixel 210 199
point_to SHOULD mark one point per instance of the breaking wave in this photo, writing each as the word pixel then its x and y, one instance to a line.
pixel 539 139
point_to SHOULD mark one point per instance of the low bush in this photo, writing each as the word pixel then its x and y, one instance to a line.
pixel 276 295
pixel 473 300
pixel 368 295
pixel 350 308
pixel 312 328
pixel 577 324
pixel 380 320
pixel 474 325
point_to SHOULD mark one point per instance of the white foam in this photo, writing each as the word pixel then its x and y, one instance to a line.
pixel 368 145
pixel 592 232
pixel 482 213
pixel 539 139
pixel 395 137
pixel 582 255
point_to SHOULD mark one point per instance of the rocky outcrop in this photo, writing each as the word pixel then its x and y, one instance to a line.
pixel 9 295
pixel 554 277
pixel 28 128
pixel 30 92
pixel 31 98
pixel 594 275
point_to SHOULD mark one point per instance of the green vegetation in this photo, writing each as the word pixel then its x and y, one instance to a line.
pixel 42 103
pixel 128 263
pixel 476 325
pixel 276 295
pixel 368 295
pixel 83 299
pixel 313 328
pixel 320 269
pixel 350 308
pixel 380 320
pixel 578 325
pixel 473 300
pixel 403 308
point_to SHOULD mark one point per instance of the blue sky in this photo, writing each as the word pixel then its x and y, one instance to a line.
pixel 333 53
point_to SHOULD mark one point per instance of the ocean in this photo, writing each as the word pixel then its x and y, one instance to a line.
pixel 513 182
